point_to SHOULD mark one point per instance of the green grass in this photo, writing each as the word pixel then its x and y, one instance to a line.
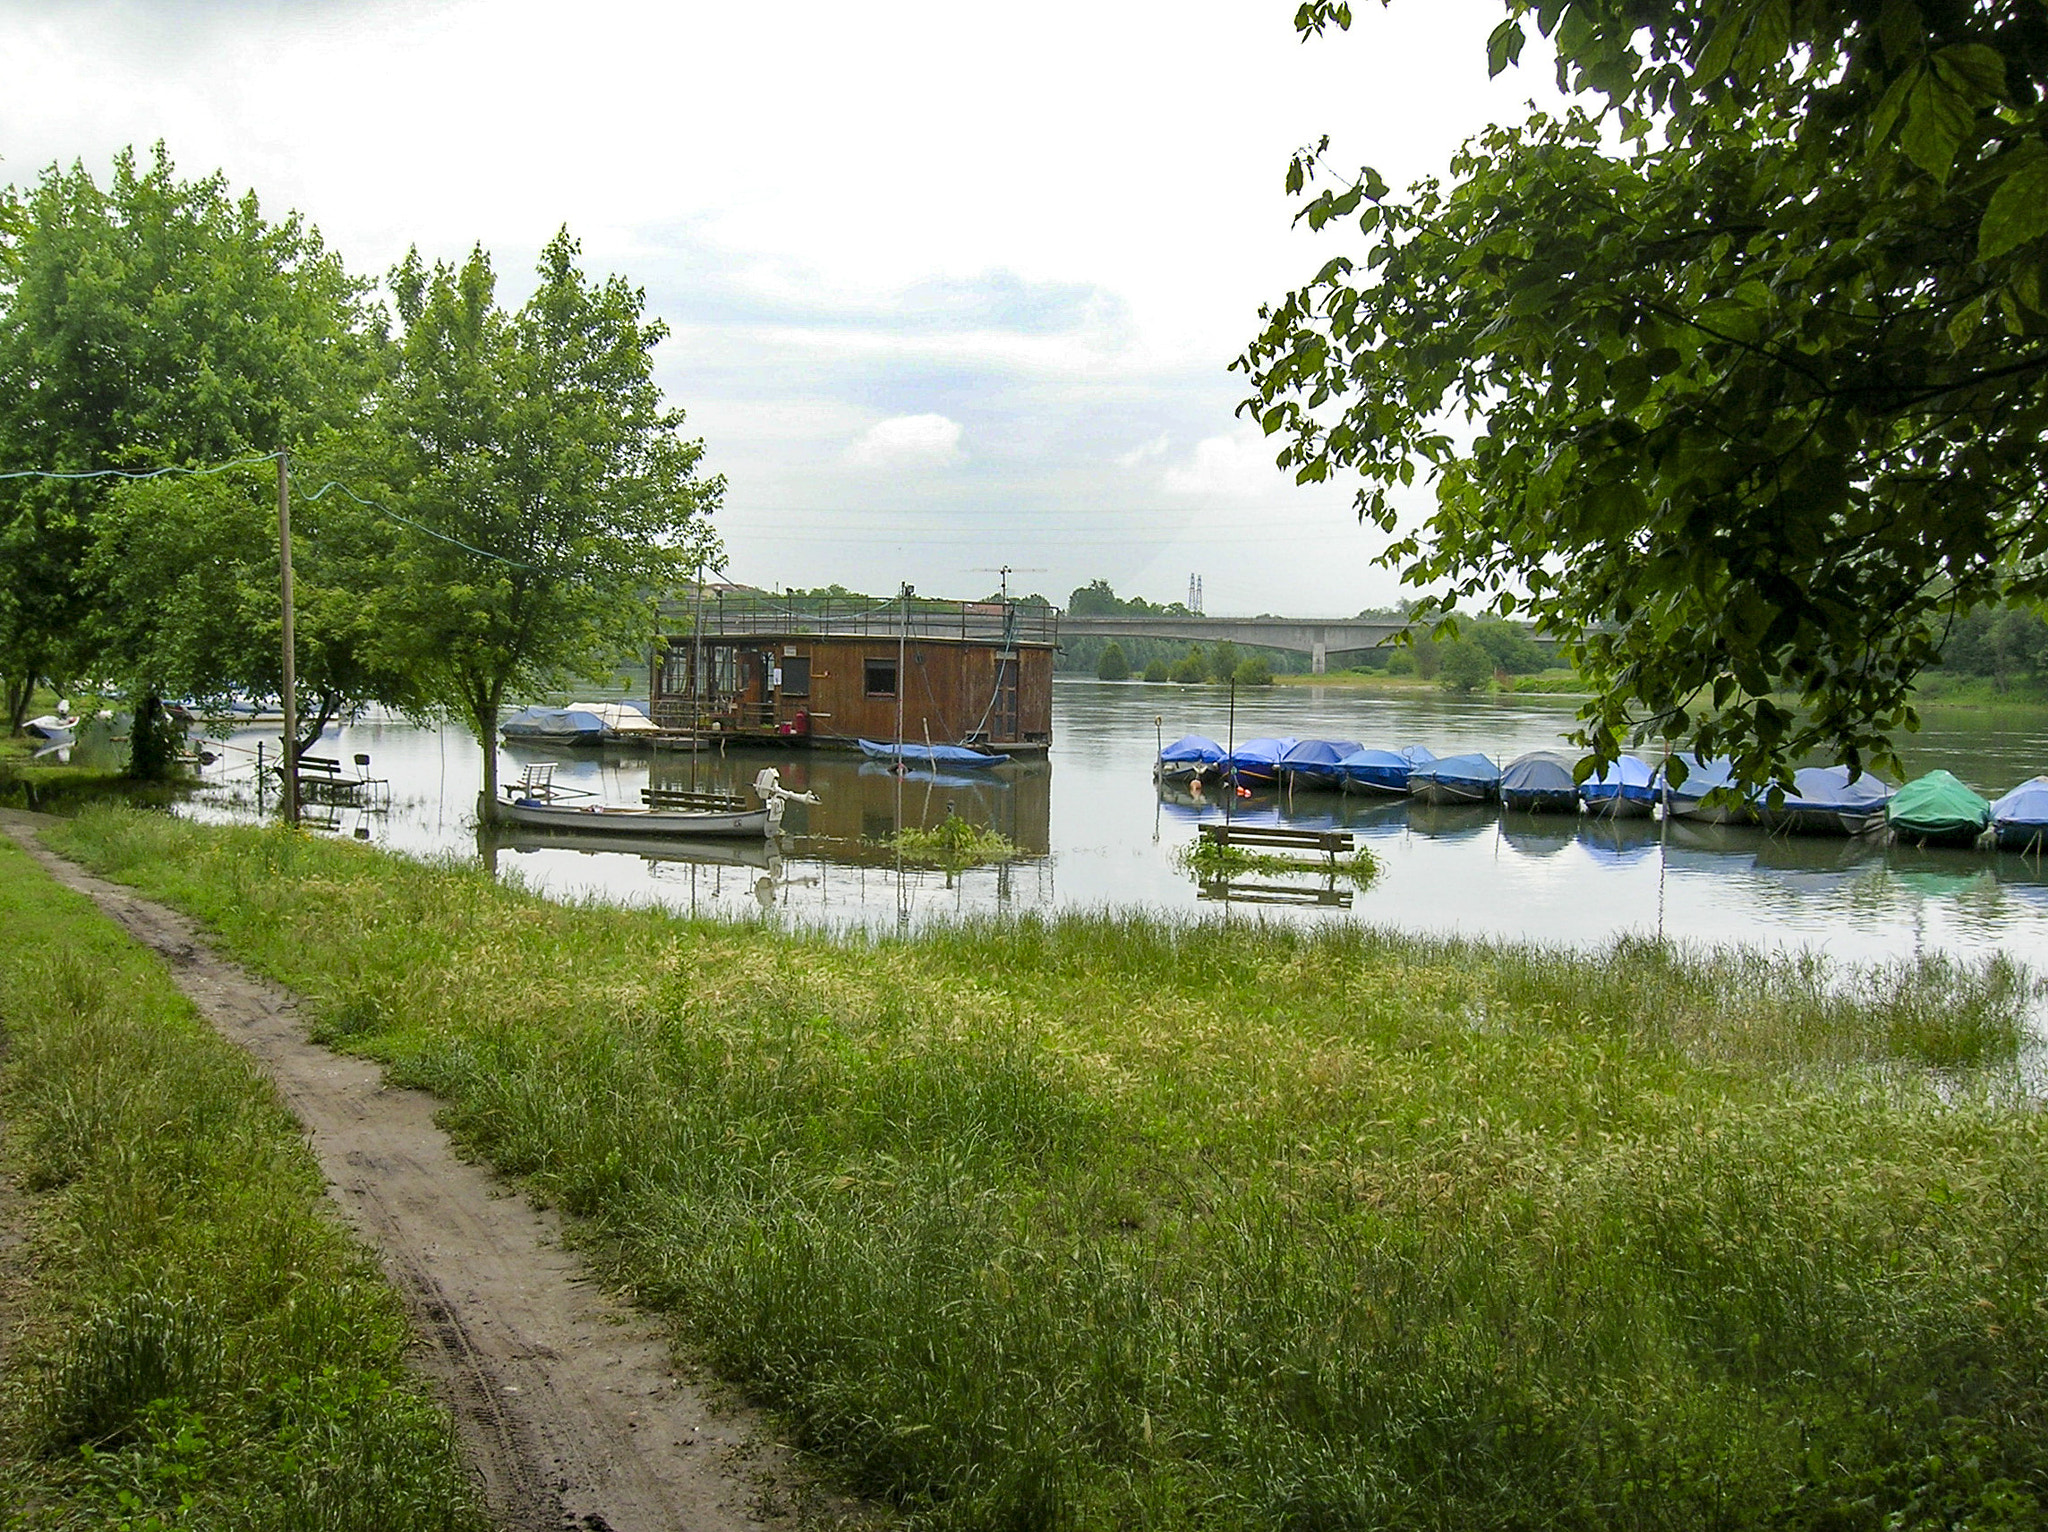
pixel 195 1342
pixel 1112 1222
pixel 1210 860
pixel 953 844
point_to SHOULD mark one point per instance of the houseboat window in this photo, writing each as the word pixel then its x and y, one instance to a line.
pixel 796 675
pixel 881 678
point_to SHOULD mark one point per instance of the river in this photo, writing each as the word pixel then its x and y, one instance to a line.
pixel 1093 831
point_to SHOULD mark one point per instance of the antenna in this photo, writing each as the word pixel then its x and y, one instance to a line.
pixel 1006 570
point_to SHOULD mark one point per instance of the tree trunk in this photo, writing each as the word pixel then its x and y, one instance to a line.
pixel 152 742
pixel 486 724
pixel 19 690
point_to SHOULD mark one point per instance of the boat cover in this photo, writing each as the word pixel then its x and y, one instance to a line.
pixel 1317 755
pixel 1626 776
pixel 619 717
pixel 1463 770
pixel 1829 790
pixel 1540 774
pixel 1192 750
pixel 1937 804
pixel 548 723
pixel 2024 808
pixel 1701 778
pixel 1385 768
pixel 1260 757
pixel 929 755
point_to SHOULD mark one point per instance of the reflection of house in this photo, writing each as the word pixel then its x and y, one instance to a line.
pixel 842 668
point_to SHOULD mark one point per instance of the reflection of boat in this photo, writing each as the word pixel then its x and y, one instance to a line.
pixel 2019 820
pixel 1625 788
pixel 1190 757
pixel 613 819
pixel 704 852
pixel 1456 779
pixel 1814 854
pixel 1937 810
pixel 1312 763
pixel 1534 833
pixel 930 755
pixel 925 776
pixel 1946 871
pixel 1825 801
pixel 1449 821
pixel 51 729
pixel 1540 782
pixel 1619 840
pixel 1382 771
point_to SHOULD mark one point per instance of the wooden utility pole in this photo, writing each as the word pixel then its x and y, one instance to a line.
pixel 291 679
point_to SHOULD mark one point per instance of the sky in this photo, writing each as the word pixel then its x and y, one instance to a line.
pixel 949 287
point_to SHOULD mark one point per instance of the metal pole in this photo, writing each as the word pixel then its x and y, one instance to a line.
pixel 291 679
pixel 902 652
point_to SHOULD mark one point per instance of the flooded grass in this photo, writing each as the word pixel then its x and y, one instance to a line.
pixel 1110 1221
pixel 194 1342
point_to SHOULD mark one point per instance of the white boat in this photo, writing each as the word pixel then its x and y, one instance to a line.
pixel 644 823
pixel 52 729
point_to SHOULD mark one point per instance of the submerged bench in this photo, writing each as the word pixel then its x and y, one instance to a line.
pixel 1329 842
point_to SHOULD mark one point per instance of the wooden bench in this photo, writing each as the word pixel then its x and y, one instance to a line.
pixel 1329 842
pixel 681 798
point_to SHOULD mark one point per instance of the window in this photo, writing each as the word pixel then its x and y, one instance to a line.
pixel 881 678
pixel 796 675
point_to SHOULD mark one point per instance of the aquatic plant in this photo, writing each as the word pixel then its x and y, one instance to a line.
pixel 954 844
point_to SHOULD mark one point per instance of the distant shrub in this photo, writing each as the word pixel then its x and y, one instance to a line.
pixel 1113 666
pixel 1223 662
pixel 1252 671
pixel 1158 670
pixel 1401 662
pixel 1463 666
pixel 1190 669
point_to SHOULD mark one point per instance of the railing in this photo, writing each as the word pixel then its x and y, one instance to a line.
pixel 992 622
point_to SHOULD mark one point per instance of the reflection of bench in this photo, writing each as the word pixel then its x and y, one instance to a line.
pixel 1329 842
pixel 680 798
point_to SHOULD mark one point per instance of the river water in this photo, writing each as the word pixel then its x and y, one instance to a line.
pixel 1093 831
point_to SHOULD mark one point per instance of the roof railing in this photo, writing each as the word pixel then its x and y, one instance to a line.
pixel 727 615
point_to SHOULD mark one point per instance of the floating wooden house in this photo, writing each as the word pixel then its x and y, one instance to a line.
pixel 748 665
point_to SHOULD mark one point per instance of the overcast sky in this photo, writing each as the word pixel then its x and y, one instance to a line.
pixel 950 286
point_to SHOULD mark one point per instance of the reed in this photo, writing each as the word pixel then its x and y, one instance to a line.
pixel 195 1341
pixel 1109 1221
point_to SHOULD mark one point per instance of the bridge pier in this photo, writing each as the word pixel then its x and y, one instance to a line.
pixel 1318 654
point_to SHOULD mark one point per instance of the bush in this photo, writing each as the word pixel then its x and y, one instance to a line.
pixel 1113 666
pixel 1158 670
pixel 1463 665
pixel 1191 669
pixel 1401 662
pixel 1223 662
pixel 1252 671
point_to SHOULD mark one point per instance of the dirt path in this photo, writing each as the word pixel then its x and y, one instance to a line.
pixel 567 1400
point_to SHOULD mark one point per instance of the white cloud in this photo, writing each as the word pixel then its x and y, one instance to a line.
pixel 1235 467
pixel 908 441
pixel 1144 451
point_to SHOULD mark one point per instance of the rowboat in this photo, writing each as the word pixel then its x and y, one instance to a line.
pixel 1382 771
pixel 1456 779
pixel 1189 757
pixel 1937 810
pixel 1312 763
pixel 1540 782
pixel 615 819
pixel 1825 801
pixel 2019 820
pixel 1623 789
pixel 1687 799
pixel 1256 762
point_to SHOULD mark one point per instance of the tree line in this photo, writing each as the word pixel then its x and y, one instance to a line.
pixel 485 497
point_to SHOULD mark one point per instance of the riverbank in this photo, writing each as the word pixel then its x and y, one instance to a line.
pixel 1110 1220
pixel 192 1339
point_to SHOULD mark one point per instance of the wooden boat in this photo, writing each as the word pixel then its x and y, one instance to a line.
pixel 1191 757
pixel 1540 782
pixel 642 823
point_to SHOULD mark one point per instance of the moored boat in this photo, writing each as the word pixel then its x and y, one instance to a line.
pixel 617 820
pixel 1312 763
pixel 930 755
pixel 556 728
pixel 1824 800
pixel 1540 782
pixel 1937 810
pixel 52 729
pixel 1256 762
pixel 1386 772
pixel 1625 788
pixel 1456 779
pixel 2019 820
pixel 1187 758
pixel 1689 799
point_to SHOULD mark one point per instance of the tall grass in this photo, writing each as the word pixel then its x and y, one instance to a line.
pixel 198 1344
pixel 1106 1221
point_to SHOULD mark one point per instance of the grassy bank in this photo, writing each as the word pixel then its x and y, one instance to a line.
pixel 1109 1222
pixel 192 1341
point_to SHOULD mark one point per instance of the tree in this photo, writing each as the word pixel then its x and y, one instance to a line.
pixel 1191 668
pixel 1252 670
pixel 1113 666
pixel 547 492
pixel 1223 662
pixel 1754 361
pixel 1158 670
pixel 1463 665
pixel 154 323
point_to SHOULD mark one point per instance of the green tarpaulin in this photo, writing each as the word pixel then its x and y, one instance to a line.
pixel 1937 807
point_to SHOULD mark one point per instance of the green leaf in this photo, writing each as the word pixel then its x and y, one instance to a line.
pixel 2018 212
pixel 1938 114
pixel 1504 46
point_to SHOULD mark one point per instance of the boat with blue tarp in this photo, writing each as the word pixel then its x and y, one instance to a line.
pixel 1540 782
pixel 1825 800
pixel 1187 758
pixel 1312 763
pixel 2019 820
pixel 1687 799
pixel 1625 788
pixel 1382 771
pixel 1456 779
pixel 1256 762
pixel 930 755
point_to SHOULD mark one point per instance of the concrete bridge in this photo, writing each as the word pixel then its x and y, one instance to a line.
pixel 1312 636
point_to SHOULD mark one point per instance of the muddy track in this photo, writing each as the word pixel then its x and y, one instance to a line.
pixel 568 1401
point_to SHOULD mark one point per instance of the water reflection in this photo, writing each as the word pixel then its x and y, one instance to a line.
pixel 1091 830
